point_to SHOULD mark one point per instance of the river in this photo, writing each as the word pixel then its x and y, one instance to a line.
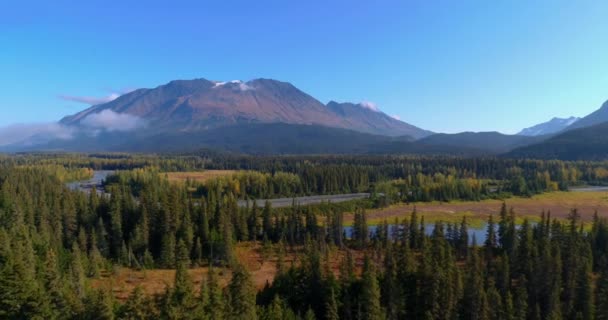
pixel 96 181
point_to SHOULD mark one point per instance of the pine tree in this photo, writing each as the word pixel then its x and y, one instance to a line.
pixel 182 293
pixel 77 274
pixel 390 286
pixel 370 293
pixel 475 303
pixel 584 294
pixel 215 306
pixel 332 307
pixel 138 306
pixel 100 305
pixel 601 295
pixel 242 295
pixel 275 310
pixel 520 300
pixel 266 221
pixel 53 284
pixel 310 315
pixel 167 253
pixel 491 242
pixel 116 234
pixel 463 241
pixel 360 229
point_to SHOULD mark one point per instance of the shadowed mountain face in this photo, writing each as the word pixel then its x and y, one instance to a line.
pixel 193 105
pixel 589 143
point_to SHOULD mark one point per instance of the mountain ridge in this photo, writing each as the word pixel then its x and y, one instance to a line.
pixel 549 127
pixel 597 117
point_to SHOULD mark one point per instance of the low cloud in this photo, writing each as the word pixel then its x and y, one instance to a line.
pixel 34 133
pixel 245 87
pixel 369 105
pixel 112 121
pixel 90 100
pixel 396 117
pixel 241 85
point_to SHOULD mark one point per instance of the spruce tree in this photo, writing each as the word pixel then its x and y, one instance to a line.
pixel 138 306
pixel 242 295
pixel 332 307
pixel 370 293
pixel 215 305
pixel 601 295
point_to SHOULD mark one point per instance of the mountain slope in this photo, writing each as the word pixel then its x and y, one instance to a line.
pixel 597 117
pixel 366 116
pixel 192 105
pixel 492 142
pixel 254 138
pixel 589 143
pixel 552 126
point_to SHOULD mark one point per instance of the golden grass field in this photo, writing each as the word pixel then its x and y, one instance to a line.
pixel 198 176
pixel 477 212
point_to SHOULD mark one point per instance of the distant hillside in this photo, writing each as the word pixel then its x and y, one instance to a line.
pixel 277 138
pixel 552 126
pixel 590 143
pixel 194 105
pixel 492 142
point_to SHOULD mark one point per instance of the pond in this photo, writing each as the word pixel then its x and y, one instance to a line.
pixel 478 233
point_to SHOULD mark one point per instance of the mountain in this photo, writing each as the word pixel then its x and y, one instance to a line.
pixel 589 143
pixel 552 126
pixel 200 104
pixel 597 117
pixel 490 142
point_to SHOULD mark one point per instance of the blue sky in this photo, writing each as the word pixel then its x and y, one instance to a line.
pixel 446 66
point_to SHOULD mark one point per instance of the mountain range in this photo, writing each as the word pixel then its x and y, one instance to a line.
pixel 550 127
pixel 265 116
pixel 585 139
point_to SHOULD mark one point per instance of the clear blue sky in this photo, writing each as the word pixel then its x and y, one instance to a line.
pixel 447 66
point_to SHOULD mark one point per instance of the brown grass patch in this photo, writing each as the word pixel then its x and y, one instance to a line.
pixel 260 262
pixel 124 280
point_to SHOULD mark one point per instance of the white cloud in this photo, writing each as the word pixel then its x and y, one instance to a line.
pixel 369 105
pixel 33 133
pixel 396 117
pixel 90 100
pixel 112 121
